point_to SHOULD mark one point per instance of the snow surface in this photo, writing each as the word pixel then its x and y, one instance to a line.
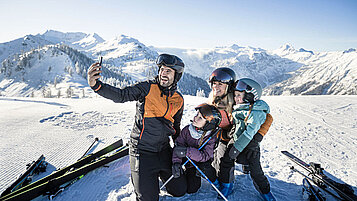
pixel 318 129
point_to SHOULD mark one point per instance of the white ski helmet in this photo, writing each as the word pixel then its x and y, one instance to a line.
pixel 253 90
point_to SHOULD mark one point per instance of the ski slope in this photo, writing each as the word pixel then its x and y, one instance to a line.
pixel 319 129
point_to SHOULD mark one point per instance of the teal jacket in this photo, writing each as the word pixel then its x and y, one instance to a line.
pixel 245 131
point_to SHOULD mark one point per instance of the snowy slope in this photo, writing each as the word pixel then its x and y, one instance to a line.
pixel 250 62
pixel 315 128
pixel 125 61
pixel 129 54
pixel 291 71
pixel 21 45
pixel 47 71
pixel 322 73
pixel 78 40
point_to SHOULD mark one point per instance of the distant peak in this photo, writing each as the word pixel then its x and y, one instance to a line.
pixel 96 37
pixel 51 31
pixel 303 50
pixel 235 47
pixel 121 36
pixel 349 50
pixel 287 46
pixel 122 39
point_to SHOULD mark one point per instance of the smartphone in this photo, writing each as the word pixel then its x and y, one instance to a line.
pixel 100 64
pixel 100 61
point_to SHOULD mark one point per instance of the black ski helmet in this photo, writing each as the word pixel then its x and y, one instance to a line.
pixel 211 114
pixel 224 75
pixel 173 62
pixel 253 90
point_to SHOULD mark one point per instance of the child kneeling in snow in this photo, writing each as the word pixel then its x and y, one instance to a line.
pixel 188 143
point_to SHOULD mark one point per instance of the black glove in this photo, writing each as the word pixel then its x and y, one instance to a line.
pixel 180 151
pixel 252 153
pixel 258 137
pixel 177 170
pixel 233 153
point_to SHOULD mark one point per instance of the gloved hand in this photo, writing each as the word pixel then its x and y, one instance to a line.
pixel 177 170
pixel 252 153
pixel 233 153
pixel 258 137
pixel 180 151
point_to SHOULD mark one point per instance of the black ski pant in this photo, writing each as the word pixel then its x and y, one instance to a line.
pixel 225 166
pixel 193 176
pixel 147 167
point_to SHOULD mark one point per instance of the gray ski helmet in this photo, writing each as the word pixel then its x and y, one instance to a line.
pixel 224 75
pixel 253 90
pixel 211 114
pixel 173 62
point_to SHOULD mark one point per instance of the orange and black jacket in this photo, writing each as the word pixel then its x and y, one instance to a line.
pixel 158 112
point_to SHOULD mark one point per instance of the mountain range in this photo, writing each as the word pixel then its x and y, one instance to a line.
pixel 54 64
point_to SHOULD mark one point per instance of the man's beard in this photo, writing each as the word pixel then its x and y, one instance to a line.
pixel 165 83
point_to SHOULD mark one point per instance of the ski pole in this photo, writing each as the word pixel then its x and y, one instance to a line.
pixel 215 188
pixel 311 179
pixel 95 140
pixel 183 165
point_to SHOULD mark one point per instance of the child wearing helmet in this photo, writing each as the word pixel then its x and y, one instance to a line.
pixel 248 115
pixel 188 143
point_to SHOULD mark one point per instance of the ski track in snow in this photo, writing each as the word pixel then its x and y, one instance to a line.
pixel 87 120
pixel 317 129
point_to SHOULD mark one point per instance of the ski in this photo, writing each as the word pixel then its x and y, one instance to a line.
pixel 344 191
pixel 53 193
pixel 56 182
pixel 32 168
pixel 80 163
pixel 312 193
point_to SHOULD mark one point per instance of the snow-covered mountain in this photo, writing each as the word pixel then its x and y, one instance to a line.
pixel 131 55
pixel 21 45
pixel 288 70
pixel 283 71
pixel 250 62
pixel 78 40
pixel 126 61
pixel 321 73
pixel 52 71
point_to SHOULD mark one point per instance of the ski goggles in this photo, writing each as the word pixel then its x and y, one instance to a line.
pixel 242 86
pixel 166 60
pixel 220 76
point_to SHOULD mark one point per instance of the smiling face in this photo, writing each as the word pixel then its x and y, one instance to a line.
pixel 166 76
pixel 219 88
pixel 238 97
pixel 199 121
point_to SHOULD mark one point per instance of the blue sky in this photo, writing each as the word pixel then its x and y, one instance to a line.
pixel 318 25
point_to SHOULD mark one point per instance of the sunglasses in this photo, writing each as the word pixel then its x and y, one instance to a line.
pixel 166 60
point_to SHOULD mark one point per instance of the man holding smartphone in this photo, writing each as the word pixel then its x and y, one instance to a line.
pixel 159 111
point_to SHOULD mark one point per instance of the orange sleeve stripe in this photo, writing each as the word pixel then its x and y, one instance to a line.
pixel 100 86
pixel 266 125
pixel 142 130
